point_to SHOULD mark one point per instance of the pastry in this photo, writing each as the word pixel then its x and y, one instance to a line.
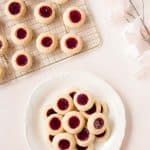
pixel 73 122
pixel 71 92
pixel 46 42
pixel 74 17
pixel 60 1
pixel 3 45
pixel 54 124
pixel 63 104
pixel 94 109
pixel 71 43
pixel 64 141
pixel 89 147
pixel 21 34
pixel 21 61
pixel 83 101
pixel 104 108
pixel 84 138
pixel 15 9
pixel 2 73
pixel 97 123
pixel 50 138
pixel 48 111
pixel 45 12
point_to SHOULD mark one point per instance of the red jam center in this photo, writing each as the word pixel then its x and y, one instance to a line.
pixel 72 94
pixel 98 123
pixel 81 148
pixel 74 122
pixel 1 44
pixel 63 104
pixel 45 11
pixel 82 99
pixel 92 110
pixel 22 60
pixel 83 135
pixel 21 33
pixel 55 123
pixel 51 138
pixel 50 112
pixel 71 43
pixel 64 144
pixel 75 16
pixel 46 41
pixel 101 135
pixel 14 8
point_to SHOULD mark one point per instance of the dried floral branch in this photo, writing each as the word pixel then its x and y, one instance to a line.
pixel 143 8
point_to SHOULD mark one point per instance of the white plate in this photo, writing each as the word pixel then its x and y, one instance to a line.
pixel 83 80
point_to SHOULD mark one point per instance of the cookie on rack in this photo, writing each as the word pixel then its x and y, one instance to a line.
pixel 60 1
pixel 21 34
pixel 74 17
pixel 3 45
pixel 71 43
pixel 21 61
pixel 2 72
pixel 45 12
pixel 15 9
pixel 46 42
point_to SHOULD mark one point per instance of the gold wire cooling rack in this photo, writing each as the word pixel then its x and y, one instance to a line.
pixel 89 33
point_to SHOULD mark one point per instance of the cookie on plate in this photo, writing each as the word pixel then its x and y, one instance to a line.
pixel 3 45
pixel 60 1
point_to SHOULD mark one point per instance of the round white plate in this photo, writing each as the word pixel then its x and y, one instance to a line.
pixel 98 87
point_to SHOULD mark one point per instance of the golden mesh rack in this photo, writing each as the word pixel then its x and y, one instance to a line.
pixel 89 33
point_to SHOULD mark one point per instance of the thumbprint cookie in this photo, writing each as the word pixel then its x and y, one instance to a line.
pixel 104 108
pixel 60 1
pixel 46 42
pixel 45 12
pixel 84 137
pixel 74 17
pixel 21 61
pixel 89 147
pixel 3 45
pixel 71 43
pixel 73 122
pixel 83 101
pixel 48 111
pixel 21 34
pixel 97 123
pixel 15 9
pixel 64 141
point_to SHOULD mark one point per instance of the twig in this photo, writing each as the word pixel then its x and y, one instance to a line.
pixel 143 10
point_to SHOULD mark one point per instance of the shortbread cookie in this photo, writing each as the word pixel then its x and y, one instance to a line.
pixel 3 45
pixel 83 101
pixel 104 108
pixel 2 73
pixel 46 42
pixel 21 61
pixel 84 137
pixel 50 138
pixel 94 109
pixel 71 92
pixel 104 136
pixel 54 124
pixel 73 122
pixel 45 12
pixel 63 104
pixel 21 34
pixel 15 9
pixel 89 147
pixel 64 141
pixel 97 123
pixel 74 17
pixel 71 43
pixel 48 111
pixel 60 1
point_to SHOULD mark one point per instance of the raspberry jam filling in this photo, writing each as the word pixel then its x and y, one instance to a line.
pixel 72 94
pixel 14 8
pixel 71 43
pixel 101 135
pixel 55 123
pixel 47 41
pixel 50 112
pixel 51 138
pixel 21 33
pixel 83 135
pixel 63 104
pixel 82 99
pixel 45 11
pixel 74 122
pixel 81 148
pixel 64 144
pixel 22 60
pixel 1 44
pixel 75 16
pixel 98 123
pixel 92 110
